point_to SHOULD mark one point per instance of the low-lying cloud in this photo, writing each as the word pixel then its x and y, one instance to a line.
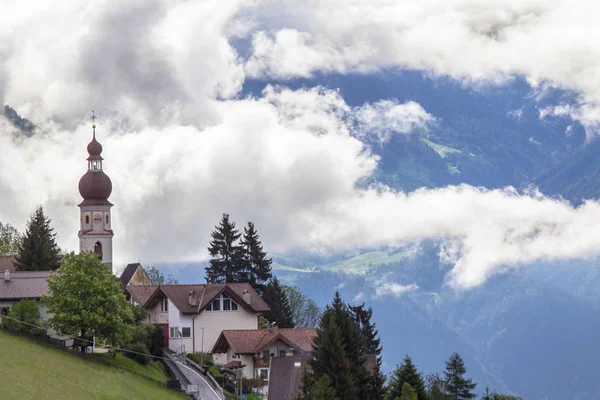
pixel 182 146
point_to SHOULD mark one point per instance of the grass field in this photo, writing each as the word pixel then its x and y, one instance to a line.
pixel 153 370
pixel 31 371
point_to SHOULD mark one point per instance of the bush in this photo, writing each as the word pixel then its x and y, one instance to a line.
pixel 157 341
pixel 26 311
pixel 253 396
pixel 202 359
pixel 138 348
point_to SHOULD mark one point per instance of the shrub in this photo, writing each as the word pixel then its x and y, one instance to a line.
pixel 157 341
pixel 26 311
pixel 203 359
pixel 137 348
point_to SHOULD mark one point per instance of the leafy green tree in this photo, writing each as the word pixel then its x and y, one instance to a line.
pixel 257 265
pixel 38 250
pixel 408 393
pixel 457 386
pixel 305 311
pixel 157 278
pixel 435 387
pixel 277 299
pixel 362 318
pixel 24 316
pixel 407 373
pixel 228 263
pixel 263 323
pixel 85 299
pixel 10 240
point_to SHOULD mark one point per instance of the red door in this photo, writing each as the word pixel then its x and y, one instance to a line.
pixel 166 329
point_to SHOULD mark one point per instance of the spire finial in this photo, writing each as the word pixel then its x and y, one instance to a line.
pixel 94 123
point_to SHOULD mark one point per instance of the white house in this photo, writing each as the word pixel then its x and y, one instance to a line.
pixel 193 316
pixel 252 351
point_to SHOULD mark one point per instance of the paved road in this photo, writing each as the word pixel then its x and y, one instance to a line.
pixel 205 390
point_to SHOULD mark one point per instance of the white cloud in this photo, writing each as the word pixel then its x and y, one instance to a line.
pixel 549 42
pixel 387 117
pixel 182 147
pixel 394 289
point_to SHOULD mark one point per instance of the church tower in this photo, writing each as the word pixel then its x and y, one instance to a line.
pixel 95 233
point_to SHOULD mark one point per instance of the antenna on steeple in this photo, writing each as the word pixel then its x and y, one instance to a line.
pixel 94 122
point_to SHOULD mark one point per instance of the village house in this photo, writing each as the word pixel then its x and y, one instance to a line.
pixel 193 316
pixel 252 351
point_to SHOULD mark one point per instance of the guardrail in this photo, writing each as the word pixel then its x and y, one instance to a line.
pixel 174 371
pixel 211 380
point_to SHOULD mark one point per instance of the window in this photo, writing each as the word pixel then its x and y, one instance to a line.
pixel 235 356
pixel 266 354
pixel 281 353
pixel 223 302
pixel 107 220
pixel 174 332
pixel 164 305
pixel 264 374
pixel 87 219
pixel 186 332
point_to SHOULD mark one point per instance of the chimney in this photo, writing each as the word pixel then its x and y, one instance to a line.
pixel 7 275
pixel 274 328
pixel 192 298
pixel 246 296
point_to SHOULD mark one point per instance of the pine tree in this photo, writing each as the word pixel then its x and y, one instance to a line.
pixel 227 262
pixel 408 392
pixel 330 359
pixel 457 387
pixel 281 311
pixel 487 395
pixel 371 345
pixel 258 266
pixel 38 250
pixel 407 373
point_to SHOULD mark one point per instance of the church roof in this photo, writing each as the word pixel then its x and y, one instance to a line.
pixel 128 273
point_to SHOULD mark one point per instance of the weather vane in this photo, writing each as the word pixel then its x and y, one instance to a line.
pixel 93 117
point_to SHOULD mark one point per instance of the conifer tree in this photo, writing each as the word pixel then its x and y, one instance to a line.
pixel 457 386
pixel 371 345
pixel 435 387
pixel 487 395
pixel 330 359
pixel 281 311
pixel 38 250
pixel 407 373
pixel 227 263
pixel 258 266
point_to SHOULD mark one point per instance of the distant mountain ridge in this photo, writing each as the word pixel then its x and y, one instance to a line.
pixel 22 123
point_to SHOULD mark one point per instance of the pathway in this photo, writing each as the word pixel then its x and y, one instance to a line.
pixel 204 389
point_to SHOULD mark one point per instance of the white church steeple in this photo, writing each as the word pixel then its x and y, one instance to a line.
pixel 95 233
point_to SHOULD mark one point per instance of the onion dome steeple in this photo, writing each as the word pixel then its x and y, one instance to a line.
pixel 95 186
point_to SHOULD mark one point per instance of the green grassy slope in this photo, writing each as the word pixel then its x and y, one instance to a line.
pixel 32 371
pixel 152 370
pixel 362 263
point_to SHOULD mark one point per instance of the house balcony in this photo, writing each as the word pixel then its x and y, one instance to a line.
pixel 262 362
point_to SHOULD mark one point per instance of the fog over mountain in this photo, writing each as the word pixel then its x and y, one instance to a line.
pixel 183 142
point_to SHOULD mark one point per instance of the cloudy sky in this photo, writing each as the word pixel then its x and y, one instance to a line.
pixel 183 144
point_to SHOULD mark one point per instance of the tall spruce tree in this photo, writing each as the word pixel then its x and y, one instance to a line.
pixel 349 361
pixel 281 311
pixel 406 373
pixel 362 317
pixel 258 266
pixel 457 386
pixel 408 392
pixel 330 359
pixel 227 263
pixel 38 250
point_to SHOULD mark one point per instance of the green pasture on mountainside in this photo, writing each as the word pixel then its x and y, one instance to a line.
pixel 32 371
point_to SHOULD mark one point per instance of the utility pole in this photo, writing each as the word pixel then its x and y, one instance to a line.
pixel 202 348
